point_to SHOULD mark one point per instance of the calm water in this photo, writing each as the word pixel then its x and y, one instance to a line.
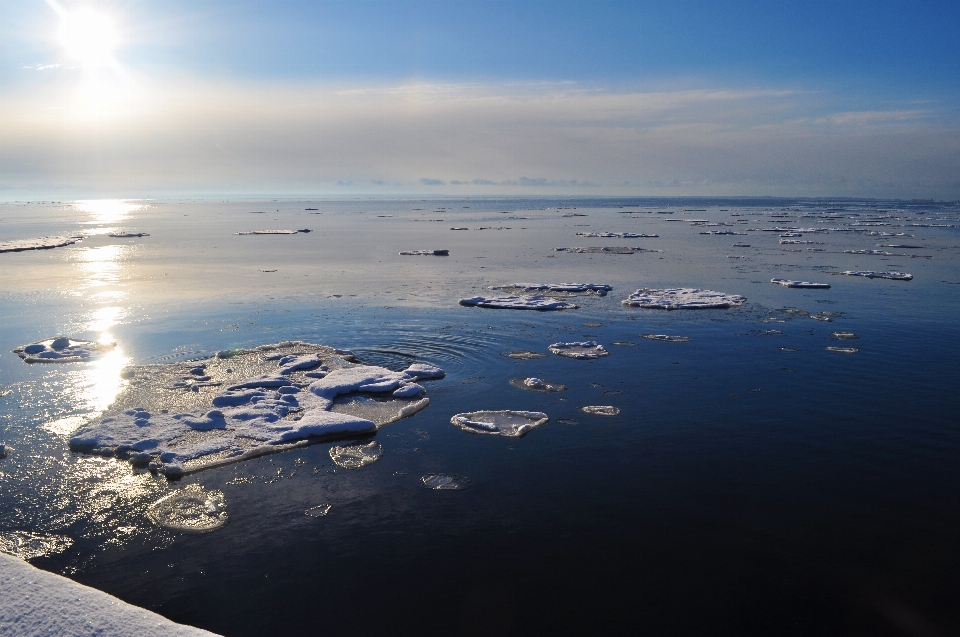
pixel 744 488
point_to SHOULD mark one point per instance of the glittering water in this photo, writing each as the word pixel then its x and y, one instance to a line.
pixel 728 496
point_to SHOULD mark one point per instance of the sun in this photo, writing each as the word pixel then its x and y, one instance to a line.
pixel 88 37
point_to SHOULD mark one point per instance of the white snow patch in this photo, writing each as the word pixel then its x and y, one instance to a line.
pixel 787 283
pixel 42 243
pixel 513 302
pixel 60 349
pixel 582 350
pixel 682 298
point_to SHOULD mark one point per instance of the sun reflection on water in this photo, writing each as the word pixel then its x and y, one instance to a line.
pixel 107 210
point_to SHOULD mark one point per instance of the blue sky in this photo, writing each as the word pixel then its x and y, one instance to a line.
pixel 654 98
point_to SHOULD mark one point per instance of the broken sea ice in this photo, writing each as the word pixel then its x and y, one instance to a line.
pixel 513 424
pixel 539 303
pixel 682 298
pixel 581 350
pixel 61 349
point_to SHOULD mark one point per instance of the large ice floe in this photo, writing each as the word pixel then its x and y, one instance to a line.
pixel 192 509
pixel 581 350
pixel 61 349
pixel 425 253
pixel 682 299
pixel 42 243
pixel 512 424
pixel 183 417
pixel 540 303
pixel 34 602
pixel 870 274
pixel 616 235
pixel 787 283
pixel 600 289
pixel 605 250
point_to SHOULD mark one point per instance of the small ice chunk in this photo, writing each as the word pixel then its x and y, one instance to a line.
pixel 356 456
pixel 192 509
pixel 682 298
pixel 880 253
pixel 426 253
pixel 539 303
pixel 842 350
pixel 513 424
pixel 616 235
pixel 444 482
pixel 605 250
pixel 844 336
pixel 290 364
pixel 581 350
pixel 318 511
pixel 787 283
pixel 669 338
pixel 125 234
pixel 43 243
pixel 537 384
pixel 894 276
pixel 61 349
pixel 524 355
pixel 423 371
pixel 600 289
pixel 600 410
pixel 409 390
pixel 271 231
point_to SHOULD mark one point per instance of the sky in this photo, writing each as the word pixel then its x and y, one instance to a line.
pixel 158 98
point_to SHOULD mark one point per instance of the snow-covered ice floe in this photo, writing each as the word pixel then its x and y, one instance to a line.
pixel 844 336
pixel 879 253
pixel 524 355
pixel 600 289
pixel 357 455
pixel 682 299
pixel 192 509
pixel 61 349
pixel 444 482
pixel 583 350
pixel 895 276
pixel 667 338
pixel 183 417
pixel 787 283
pixel 616 235
pixel 34 602
pixel 605 250
pixel 513 424
pixel 601 410
pixel 540 303
pixel 537 384
pixel 42 243
pixel 426 253
pixel 248 232
pixel 842 350
pixel 127 234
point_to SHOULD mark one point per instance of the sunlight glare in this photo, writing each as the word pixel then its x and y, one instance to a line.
pixel 88 37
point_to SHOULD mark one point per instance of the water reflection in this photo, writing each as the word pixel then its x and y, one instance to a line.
pixel 107 210
pixel 101 266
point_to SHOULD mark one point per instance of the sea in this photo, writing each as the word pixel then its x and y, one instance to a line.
pixel 786 466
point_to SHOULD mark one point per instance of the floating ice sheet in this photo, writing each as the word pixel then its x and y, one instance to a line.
pixel 895 276
pixel 581 350
pixel 248 232
pixel 616 235
pixel 318 511
pixel 127 234
pixel 357 455
pixel 600 289
pixel 605 250
pixel 426 253
pixel 27 545
pixel 682 298
pixel 445 482
pixel 880 253
pixel 42 243
pixel 192 509
pixel 513 424
pixel 844 336
pixel 787 283
pixel 600 410
pixel 184 417
pixel 61 349
pixel 513 302
pixel 842 350
pixel 537 384
pixel 525 355
pixel 669 338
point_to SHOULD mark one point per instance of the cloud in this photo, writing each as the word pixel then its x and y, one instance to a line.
pixel 182 136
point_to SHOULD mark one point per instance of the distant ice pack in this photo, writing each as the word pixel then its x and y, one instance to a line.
pixel 682 299
pixel 581 350
pixel 600 289
pixel 61 349
pixel 512 302
pixel 42 243
pixel 513 424
pixel 787 283
pixel 895 276
pixel 183 417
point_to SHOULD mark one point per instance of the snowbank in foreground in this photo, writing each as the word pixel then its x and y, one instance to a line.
pixel 35 602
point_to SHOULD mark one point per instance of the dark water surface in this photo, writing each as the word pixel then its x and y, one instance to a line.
pixel 753 483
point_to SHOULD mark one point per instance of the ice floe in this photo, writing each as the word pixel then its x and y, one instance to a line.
pixel 42 243
pixel 881 253
pixel 513 302
pixel 513 424
pixel 723 232
pixel 616 235
pixel 61 349
pixel 682 298
pixel 27 545
pixel 192 509
pixel 357 455
pixel 667 338
pixel 787 283
pixel 600 410
pixel 844 336
pixel 842 350
pixel 271 399
pixel 524 355
pixel 318 511
pixel 247 232
pixel 600 289
pixel 127 234
pixel 582 350
pixel 445 482
pixel 798 242
pixel 605 250
pixel 425 253
pixel 537 384
pixel 895 276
